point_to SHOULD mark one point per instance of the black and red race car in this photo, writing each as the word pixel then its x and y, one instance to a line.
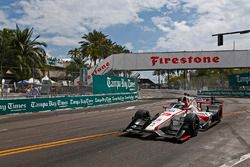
pixel 180 120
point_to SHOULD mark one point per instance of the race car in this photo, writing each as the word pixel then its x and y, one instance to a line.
pixel 180 120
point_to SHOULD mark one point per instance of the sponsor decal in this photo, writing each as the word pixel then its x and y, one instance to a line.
pixel 155 60
pixel 99 70
pixel 121 83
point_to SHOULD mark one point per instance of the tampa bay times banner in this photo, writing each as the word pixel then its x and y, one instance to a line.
pixel 239 79
pixel 44 104
pixel 104 84
pixel 226 93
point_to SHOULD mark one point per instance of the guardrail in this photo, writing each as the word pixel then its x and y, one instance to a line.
pixel 68 102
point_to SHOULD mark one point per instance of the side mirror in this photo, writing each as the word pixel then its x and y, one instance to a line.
pixel 164 107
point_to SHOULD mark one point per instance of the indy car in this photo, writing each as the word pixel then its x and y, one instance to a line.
pixel 180 120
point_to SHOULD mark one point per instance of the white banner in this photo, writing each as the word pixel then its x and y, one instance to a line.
pixel 172 60
pixel 181 60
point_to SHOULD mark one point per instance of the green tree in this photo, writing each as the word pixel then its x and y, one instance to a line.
pixel 94 45
pixel 116 49
pixel 6 37
pixel 98 46
pixel 78 61
pixel 29 54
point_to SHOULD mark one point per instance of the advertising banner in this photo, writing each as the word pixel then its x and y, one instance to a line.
pixel 44 104
pixel 230 93
pixel 172 60
pixel 101 68
pixel 52 61
pixel 239 79
pixel 103 84
pixel 182 60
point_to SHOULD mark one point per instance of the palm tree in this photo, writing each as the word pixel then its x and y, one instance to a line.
pixel 119 49
pixel 29 54
pixel 6 36
pixel 78 62
pixel 94 44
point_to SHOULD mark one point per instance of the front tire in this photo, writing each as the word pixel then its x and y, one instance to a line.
pixel 192 124
pixel 142 114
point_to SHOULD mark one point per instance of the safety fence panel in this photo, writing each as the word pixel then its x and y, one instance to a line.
pixel 43 104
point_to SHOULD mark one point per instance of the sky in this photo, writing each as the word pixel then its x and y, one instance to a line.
pixel 140 25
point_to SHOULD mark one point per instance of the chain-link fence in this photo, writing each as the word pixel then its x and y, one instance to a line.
pixel 31 91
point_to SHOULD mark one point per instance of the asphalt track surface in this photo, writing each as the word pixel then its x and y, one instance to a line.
pixel 92 137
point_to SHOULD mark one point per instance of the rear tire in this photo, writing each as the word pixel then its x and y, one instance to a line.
pixel 219 115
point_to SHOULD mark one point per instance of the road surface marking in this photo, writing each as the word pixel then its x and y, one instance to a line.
pixel 3 117
pixel 235 113
pixel 242 158
pixel 130 108
pixel 235 162
pixel 3 130
pixel 55 143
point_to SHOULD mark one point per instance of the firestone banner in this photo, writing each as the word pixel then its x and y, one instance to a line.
pixel 182 60
pixel 172 60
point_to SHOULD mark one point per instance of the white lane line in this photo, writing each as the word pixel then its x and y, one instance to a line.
pixel 130 108
pixel 235 162
pixel 3 117
pixel 3 130
pixel 243 158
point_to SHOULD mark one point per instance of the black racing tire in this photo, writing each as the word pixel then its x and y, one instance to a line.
pixel 192 124
pixel 220 115
pixel 142 114
pixel 217 112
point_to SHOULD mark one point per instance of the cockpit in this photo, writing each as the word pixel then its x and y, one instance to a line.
pixel 180 106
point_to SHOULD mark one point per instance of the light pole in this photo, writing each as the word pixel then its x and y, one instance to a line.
pixel 220 35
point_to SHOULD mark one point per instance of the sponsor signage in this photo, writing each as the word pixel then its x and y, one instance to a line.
pixel 181 60
pixel 172 60
pixel 241 93
pixel 155 60
pixel 43 104
pixel 103 84
pixel 239 79
pixel 55 61
pixel 101 68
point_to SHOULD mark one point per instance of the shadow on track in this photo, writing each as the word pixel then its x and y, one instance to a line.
pixel 152 137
